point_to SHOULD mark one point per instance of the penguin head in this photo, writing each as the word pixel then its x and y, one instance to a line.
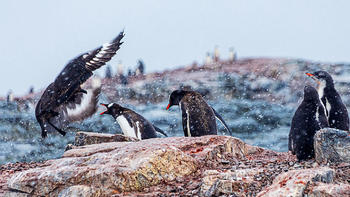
pixel 112 109
pixel 175 98
pixel 310 94
pixel 322 78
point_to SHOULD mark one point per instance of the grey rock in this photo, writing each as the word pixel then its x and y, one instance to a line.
pixel 332 146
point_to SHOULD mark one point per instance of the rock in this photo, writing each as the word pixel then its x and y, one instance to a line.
pixel 330 190
pixel 294 182
pixel 79 190
pixel 237 182
pixel 332 146
pixel 117 167
pixel 87 138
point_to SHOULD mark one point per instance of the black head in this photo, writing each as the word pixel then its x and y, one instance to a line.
pixel 175 98
pixel 321 77
pixel 310 94
pixel 112 109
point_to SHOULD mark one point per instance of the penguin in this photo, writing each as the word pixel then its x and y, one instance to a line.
pixel 132 123
pixel 308 118
pixel 337 114
pixel 198 118
pixel 65 94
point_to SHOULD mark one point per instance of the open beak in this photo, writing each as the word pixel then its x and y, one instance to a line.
pixel 104 111
pixel 167 108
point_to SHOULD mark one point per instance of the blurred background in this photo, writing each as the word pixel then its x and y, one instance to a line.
pixel 39 37
pixel 247 59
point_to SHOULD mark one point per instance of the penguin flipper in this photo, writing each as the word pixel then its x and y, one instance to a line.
pixel 160 131
pixel 222 121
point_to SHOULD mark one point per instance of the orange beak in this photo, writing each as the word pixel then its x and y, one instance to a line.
pixel 167 108
pixel 104 111
pixel 309 74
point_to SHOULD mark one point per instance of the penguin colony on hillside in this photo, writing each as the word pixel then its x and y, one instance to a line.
pixel 66 101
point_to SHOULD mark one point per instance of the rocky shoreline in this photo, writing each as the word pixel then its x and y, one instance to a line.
pixel 175 166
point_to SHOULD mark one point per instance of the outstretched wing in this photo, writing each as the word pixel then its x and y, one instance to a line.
pixel 98 57
pixel 222 121
pixel 76 72
pixel 82 105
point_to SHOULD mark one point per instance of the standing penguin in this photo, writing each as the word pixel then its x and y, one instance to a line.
pixel 336 112
pixel 308 118
pixel 65 95
pixel 198 118
pixel 132 123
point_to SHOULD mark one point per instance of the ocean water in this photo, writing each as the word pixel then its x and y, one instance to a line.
pixel 255 122
pixel 258 108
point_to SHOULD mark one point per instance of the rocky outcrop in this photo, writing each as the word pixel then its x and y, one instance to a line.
pixel 88 138
pixel 116 167
pixel 328 190
pixel 332 146
pixel 236 182
pixel 294 183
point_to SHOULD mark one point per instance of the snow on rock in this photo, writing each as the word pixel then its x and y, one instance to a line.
pixel 238 182
pixel 322 189
pixel 115 167
pixel 332 145
pixel 294 183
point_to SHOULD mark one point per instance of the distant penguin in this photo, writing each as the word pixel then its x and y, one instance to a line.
pixel 308 118
pixel 10 97
pixel 64 96
pixel 198 118
pixel 336 112
pixel 208 59
pixel 132 123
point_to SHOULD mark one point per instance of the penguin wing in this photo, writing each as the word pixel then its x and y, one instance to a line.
pixel 185 121
pixel 160 131
pixel 222 121
pixel 82 105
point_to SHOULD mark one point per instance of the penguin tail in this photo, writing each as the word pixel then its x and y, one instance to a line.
pixel 160 131
pixel 222 121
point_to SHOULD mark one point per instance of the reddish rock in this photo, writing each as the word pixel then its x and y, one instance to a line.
pixel 293 183
pixel 329 190
pixel 117 167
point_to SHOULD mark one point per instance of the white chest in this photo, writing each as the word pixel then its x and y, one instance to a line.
pixel 126 128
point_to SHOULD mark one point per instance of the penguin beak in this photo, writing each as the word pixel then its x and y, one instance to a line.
pixel 313 77
pixel 105 112
pixel 309 74
pixel 167 108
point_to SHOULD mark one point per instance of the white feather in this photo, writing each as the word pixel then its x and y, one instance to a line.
pixel 126 128
pixel 318 114
pixel 138 134
pixel 80 108
pixel 188 124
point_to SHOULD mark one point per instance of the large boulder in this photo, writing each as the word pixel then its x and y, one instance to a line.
pixel 116 167
pixel 332 146
pixel 293 183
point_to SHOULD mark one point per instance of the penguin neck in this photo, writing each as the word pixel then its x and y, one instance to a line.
pixel 120 113
pixel 327 90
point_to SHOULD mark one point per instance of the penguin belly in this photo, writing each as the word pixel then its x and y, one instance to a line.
pixel 127 129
